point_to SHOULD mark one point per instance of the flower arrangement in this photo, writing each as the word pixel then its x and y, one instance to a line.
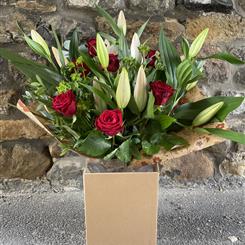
pixel 108 98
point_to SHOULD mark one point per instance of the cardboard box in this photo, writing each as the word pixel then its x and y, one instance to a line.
pixel 121 208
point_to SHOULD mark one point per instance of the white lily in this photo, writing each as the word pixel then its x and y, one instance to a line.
pixel 57 57
pixel 123 92
pixel 135 53
pixel 140 90
pixel 38 39
pixel 121 22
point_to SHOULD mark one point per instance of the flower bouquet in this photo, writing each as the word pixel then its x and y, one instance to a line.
pixel 108 98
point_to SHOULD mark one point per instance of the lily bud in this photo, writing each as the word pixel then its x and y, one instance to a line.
pixel 57 56
pixel 121 22
pixel 38 39
pixel 100 104
pixel 102 51
pixel 135 53
pixel 140 90
pixel 205 115
pixel 123 92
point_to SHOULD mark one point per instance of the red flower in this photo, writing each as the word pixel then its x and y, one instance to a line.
pixel 110 122
pixel 113 63
pixel 91 45
pixel 65 103
pixel 161 91
pixel 151 56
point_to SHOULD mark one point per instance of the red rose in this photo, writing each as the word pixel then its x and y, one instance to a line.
pixel 152 58
pixel 65 103
pixel 110 122
pixel 91 45
pixel 113 63
pixel 161 91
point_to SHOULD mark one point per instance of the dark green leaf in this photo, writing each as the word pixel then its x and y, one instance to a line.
pixel 226 57
pixel 189 111
pixel 227 134
pixel 142 28
pixel 150 149
pixel 73 48
pixel 133 106
pixel 170 58
pixel 171 141
pixel 94 145
pixel 165 120
pixel 124 152
pixel 110 20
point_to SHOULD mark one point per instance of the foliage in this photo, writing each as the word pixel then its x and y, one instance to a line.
pixel 118 75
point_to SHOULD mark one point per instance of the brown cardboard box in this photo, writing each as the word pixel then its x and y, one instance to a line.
pixel 121 208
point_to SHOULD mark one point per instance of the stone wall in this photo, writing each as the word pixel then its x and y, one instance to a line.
pixel 24 148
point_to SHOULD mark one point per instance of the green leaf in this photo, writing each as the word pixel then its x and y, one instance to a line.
pixel 94 145
pixel 165 120
pixel 92 65
pixel 185 47
pixel 123 45
pixel 124 153
pixel 133 106
pixel 110 20
pixel 71 132
pixel 150 149
pixel 36 47
pixel 226 57
pixel 189 111
pixel 227 134
pixel 170 58
pixel 172 141
pixel 150 106
pixel 142 28
pixel 184 72
pixel 61 55
pixel 198 43
pixel 73 47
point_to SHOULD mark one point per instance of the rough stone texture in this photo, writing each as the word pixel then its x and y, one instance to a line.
pixel 189 17
pixel 23 128
pixel 222 27
pixel 24 159
pixel 194 166
pixel 172 28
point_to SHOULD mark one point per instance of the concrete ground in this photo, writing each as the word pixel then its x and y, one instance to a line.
pixel 193 214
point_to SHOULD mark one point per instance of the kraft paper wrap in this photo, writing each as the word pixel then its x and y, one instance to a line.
pixel 196 141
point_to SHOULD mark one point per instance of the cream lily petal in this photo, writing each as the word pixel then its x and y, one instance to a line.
pixel 57 56
pixel 140 90
pixel 121 22
pixel 135 53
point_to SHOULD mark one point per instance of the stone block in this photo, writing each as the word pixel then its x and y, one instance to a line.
pixel 24 159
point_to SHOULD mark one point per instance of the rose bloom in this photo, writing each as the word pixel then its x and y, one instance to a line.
pixel 110 122
pixel 91 45
pixel 65 103
pixel 151 56
pixel 161 91
pixel 113 63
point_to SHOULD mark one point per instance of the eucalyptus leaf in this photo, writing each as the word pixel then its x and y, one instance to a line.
pixel 165 120
pixel 149 148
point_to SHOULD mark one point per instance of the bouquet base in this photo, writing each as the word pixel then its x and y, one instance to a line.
pixel 121 208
